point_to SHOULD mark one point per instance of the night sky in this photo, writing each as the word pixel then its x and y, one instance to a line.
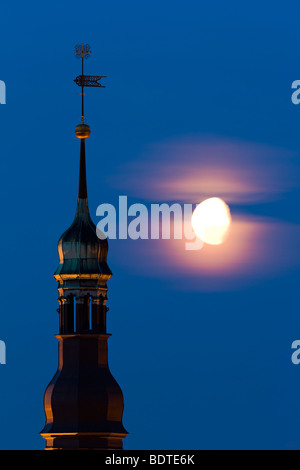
pixel 197 104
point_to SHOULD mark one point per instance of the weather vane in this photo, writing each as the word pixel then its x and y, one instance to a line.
pixel 83 51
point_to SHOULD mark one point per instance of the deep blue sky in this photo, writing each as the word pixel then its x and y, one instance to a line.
pixel 199 368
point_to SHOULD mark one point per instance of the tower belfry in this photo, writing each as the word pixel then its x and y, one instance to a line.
pixel 83 402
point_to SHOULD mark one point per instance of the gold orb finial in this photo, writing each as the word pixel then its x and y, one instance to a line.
pixel 82 131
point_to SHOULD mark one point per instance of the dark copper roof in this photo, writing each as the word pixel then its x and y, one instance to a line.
pixel 80 250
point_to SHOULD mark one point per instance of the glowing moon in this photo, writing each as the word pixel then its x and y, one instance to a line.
pixel 211 221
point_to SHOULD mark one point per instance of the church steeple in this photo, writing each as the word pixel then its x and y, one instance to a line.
pixel 83 402
pixel 82 188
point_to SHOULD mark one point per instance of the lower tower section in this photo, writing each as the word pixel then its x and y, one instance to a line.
pixel 83 402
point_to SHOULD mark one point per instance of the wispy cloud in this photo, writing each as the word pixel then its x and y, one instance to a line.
pixel 193 168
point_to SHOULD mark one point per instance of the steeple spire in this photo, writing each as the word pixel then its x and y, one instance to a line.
pixel 82 131
pixel 82 189
pixel 83 402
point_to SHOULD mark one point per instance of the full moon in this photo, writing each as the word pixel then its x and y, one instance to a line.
pixel 211 221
